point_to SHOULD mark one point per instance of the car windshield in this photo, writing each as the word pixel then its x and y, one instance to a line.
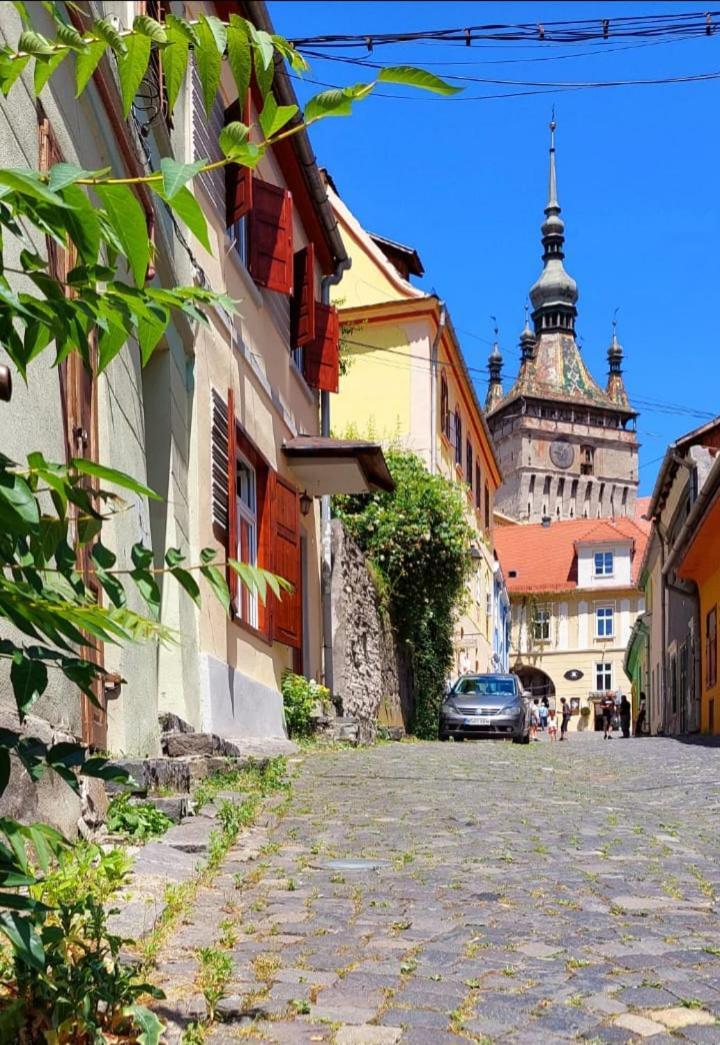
pixel 486 687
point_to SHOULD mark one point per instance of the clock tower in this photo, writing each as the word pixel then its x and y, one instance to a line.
pixel 567 447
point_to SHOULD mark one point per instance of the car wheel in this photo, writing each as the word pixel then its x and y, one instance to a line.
pixel 526 739
pixel 459 740
pixel 443 736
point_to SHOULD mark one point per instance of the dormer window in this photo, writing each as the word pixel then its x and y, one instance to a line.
pixel 604 564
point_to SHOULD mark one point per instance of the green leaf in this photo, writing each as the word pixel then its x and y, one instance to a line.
pixel 208 555
pixel 232 138
pixel 150 331
pixel 190 212
pixel 336 102
pixel 29 183
pixel 218 584
pixel 132 68
pixel 87 63
pixel 33 43
pixel 11 67
pixel 62 174
pixel 148 587
pixel 29 680
pixel 26 942
pixel 21 8
pixel 175 60
pixel 151 28
pixel 70 37
pixel 218 31
pixel 148 1023
pixel 176 174
pixel 208 61
pixel 82 222
pixel 274 117
pixel 103 769
pixel 188 582
pixel 128 221
pixel 183 28
pixel 112 475
pixel 410 76
pixel 18 508
pixel 142 557
pixel 264 47
pixel 44 68
pixel 239 55
pixel 4 771
pixel 105 30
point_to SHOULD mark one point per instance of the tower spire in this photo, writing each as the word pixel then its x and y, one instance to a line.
pixel 555 293
pixel 527 341
pixel 616 385
pixel 495 363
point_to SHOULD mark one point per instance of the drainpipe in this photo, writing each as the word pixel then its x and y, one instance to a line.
pixel 663 623
pixel 433 385
pixel 326 565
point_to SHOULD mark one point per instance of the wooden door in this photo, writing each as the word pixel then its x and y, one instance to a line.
pixel 78 400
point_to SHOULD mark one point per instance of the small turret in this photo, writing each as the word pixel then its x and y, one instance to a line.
pixel 616 386
pixel 527 341
pixel 495 389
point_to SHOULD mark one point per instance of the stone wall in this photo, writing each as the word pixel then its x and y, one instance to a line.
pixel 370 673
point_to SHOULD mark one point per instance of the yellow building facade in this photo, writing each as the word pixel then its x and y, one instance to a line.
pixel 407 385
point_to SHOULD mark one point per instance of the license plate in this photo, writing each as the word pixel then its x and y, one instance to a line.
pixel 475 721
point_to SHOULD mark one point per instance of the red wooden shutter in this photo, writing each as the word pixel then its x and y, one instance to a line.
pixel 232 527
pixel 321 356
pixel 302 312
pixel 271 237
pixel 285 538
pixel 238 180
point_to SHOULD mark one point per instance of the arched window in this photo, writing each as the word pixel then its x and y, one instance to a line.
pixel 458 439
pixel 444 408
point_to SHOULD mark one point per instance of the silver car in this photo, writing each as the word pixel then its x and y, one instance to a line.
pixel 486 706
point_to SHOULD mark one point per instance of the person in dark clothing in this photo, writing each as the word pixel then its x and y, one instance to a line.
pixel 625 713
pixel 640 720
pixel 608 710
pixel 565 720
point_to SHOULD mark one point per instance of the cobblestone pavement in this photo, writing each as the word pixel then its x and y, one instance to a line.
pixel 514 894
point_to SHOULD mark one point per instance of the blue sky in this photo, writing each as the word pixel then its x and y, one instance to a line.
pixel 464 182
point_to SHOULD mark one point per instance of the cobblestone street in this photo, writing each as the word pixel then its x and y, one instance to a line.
pixel 428 893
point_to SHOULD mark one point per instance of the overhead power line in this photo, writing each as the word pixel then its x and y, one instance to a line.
pixel 647 26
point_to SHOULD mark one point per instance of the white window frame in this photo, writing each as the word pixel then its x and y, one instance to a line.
pixel 247 513
pixel 603 570
pixel 240 236
pixel 603 616
pixel 604 670
pixel 541 623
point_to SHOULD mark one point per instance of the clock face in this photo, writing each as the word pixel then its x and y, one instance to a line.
pixel 562 453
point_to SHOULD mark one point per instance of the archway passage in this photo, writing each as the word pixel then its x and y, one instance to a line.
pixel 537 683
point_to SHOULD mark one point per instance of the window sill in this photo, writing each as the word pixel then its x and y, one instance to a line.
pixel 252 630
pixel 236 261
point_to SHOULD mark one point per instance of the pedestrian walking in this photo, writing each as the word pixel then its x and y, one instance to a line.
pixel 565 718
pixel 543 710
pixel 625 713
pixel 608 710
pixel 552 724
pixel 534 719
pixel 640 720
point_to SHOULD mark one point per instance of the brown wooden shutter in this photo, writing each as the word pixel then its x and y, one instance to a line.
pixel 271 237
pixel 220 459
pixel 238 180
pixel 285 547
pixel 232 527
pixel 302 311
pixel 321 356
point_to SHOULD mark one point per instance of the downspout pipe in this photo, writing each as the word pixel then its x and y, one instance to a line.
pixel 327 282
pixel 434 351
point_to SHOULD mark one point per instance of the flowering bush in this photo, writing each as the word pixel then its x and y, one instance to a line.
pixel 417 538
pixel 300 697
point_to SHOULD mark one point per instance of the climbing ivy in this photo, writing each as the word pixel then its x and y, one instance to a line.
pixel 417 537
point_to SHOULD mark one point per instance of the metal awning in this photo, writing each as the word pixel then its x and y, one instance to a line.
pixel 323 465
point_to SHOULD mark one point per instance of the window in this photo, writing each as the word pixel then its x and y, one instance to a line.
pixel 711 634
pixel 487 508
pixel 247 529
pixel 541 624
pixel 603 677
pixel 458 439
pixel 478 487
pixel 587 460
pixel 444 408
pixel 604 564
pixel 469 463
pixel 604 622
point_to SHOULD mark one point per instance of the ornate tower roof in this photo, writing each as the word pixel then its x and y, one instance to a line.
pixel 495 390
pixel 551 364
pixel 616 385
pixel 554 295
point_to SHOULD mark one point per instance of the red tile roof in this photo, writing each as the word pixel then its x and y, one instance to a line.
pixel 544 559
